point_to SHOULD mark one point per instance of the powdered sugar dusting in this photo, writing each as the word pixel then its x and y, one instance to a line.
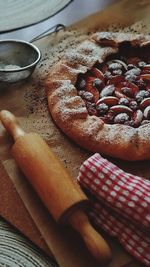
pixel 91 126
pixel 68 109
pixel 104 35
pixel 68 104
pixel 144 133
pixel 65 89
pixel 118 133
pixel 71 102
pixel 118 38
pixel 88 53
pixel 74 113
pixel 75 71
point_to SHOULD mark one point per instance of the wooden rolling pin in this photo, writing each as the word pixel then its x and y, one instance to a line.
pixel 59 192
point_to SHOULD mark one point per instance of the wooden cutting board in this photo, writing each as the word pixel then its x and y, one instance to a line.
pixel 14 211
pixel 28 102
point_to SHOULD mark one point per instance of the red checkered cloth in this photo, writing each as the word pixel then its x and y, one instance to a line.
pixel 120 204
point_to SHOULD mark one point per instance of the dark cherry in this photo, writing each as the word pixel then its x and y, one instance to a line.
pixel 130 66
pixel 98 83
pixel 127 91
pixel 90 104
pixel 92 111
pixel 82 84
pixel 117 72
pixel 141 84
pixel 123 101
pixel 107 75
pixel 133 105
pixel 133 71
pixel 130 123
pixel 114 66
pixel 81 92
pixel 141 64
pixel 102 109
pixel 87 96
pixel 141 95
pixel 109 118
pixel 131 77
pixel 121 118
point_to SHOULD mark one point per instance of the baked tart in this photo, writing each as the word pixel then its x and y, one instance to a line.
pixel 99 95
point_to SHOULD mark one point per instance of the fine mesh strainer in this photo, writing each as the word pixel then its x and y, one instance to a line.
pixel 18 60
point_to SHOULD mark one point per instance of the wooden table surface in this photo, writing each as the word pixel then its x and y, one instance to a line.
pixel 27 99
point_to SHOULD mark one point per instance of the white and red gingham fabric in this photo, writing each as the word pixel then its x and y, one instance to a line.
pixel 121 204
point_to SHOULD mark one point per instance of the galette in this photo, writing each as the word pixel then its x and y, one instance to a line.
pixel 99 94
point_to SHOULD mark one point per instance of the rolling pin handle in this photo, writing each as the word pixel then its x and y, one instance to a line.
pixel 92 239
pixel 11 124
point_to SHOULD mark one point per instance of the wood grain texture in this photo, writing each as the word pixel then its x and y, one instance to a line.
pixel 14 211
pixel 28 102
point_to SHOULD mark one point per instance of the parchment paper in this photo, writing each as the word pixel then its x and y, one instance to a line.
pixel 28 102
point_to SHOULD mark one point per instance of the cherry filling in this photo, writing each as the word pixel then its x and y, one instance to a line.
pixel 118 91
